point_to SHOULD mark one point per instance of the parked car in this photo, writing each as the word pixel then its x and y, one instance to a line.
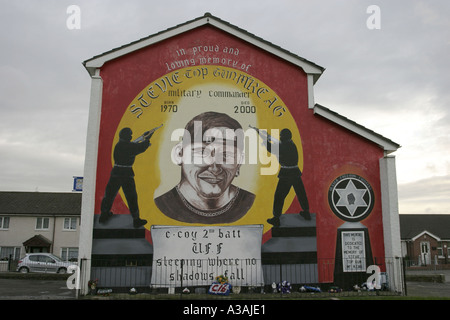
pixel 43 262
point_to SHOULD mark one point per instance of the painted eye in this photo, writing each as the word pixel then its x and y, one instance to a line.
pixel 228 157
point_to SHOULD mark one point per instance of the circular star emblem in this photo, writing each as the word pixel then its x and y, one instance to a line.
pixel 351 197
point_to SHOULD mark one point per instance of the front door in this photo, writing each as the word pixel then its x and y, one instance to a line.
pixel 425 252
pixel 39 249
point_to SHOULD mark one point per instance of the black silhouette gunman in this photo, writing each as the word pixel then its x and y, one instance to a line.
pixel 289 175
pixel 122 174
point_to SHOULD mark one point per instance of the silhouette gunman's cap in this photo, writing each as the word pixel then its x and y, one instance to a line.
pixel 285 135
pixel 125 134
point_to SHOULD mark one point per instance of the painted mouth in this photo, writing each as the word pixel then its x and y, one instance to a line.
pixel 211 180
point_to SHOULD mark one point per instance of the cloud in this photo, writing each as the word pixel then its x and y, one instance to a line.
pixel 429 195
pixel 392 80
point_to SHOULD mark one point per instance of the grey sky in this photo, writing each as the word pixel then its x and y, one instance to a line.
pixel 393 80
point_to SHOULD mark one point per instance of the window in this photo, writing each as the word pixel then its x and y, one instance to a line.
pixel 6 252
pixel 70 224
pixel 34 258
pixel 69 254
pixel 46 259
pixel 42 223
pixel 4 223
pixel 440 252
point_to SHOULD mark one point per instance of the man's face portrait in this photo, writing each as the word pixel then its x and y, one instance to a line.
pixel 210 155
pixel 210 168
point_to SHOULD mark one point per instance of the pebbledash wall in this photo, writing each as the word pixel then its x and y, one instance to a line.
pixel 177 200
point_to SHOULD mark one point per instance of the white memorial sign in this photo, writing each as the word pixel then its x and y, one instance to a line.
pixel 353 251
pixel 190 256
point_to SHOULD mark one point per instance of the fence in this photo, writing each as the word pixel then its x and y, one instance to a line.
pixel 433 264
pixel 249 274
pixel 8 264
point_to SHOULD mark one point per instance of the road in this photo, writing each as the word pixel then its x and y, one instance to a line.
pixel 33 289
pixel 429 289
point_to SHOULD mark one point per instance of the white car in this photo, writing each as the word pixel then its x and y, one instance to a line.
pixel 43 262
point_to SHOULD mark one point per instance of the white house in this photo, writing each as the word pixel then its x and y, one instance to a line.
pixel 39 222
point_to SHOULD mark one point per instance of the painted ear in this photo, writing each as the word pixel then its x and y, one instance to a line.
pixel 241 158
pixel 177 154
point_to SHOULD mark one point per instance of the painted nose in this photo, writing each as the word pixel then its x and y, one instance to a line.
pixel 214 168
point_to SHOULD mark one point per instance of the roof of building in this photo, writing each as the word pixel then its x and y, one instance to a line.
pixel 40 203
pixel 385 143
pixel 207 19
pixel 37 241
pixel 412 225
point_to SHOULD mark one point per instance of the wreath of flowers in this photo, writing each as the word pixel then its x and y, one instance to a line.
pixel 220 286
pixel 222 279
pixel 92 283
pixel 284 287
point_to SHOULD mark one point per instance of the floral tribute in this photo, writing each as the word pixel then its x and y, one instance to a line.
pixel 92 284
pixel 220 286
pixel 222 279
pixel 284 287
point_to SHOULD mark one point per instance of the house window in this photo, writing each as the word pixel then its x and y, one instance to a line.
pixel 440 252
pixel 4 223
pixel 69 254
pixel 42 223
pixel 70 224
pixel 6 252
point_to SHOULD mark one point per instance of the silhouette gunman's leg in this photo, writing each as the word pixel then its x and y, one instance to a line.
pixel 302 198
pixel 129 189
pixel 111 190
pixel 281 192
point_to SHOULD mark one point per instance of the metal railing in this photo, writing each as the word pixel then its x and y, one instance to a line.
pixel 249 274
pixel 7 265
pixel 431 264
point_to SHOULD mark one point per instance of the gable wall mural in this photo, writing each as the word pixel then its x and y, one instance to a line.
pixel 207 148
